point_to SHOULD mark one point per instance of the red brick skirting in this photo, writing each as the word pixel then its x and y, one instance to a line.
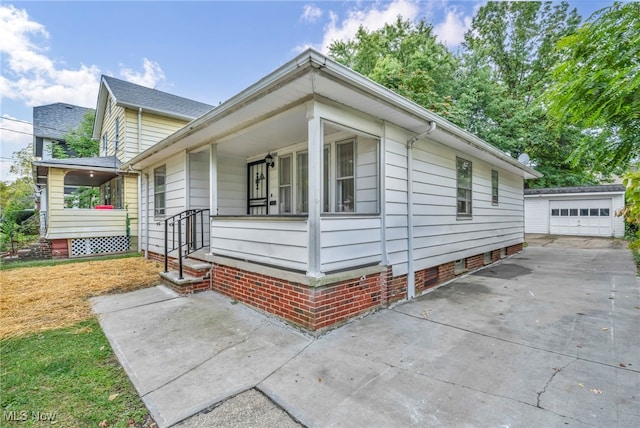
pixel 320 307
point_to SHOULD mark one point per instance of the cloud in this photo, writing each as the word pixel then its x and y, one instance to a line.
pixel 451 31
pixel 15 135
pixel 311 13
pixel 371 18
pixel 30 76
pixel 152 74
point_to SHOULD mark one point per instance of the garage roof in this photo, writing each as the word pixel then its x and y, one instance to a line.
pixel 605 188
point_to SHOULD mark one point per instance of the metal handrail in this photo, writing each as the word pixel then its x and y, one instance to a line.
pixel 184 230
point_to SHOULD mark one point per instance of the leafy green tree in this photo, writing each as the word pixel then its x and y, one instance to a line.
pixel 506 62
pixel 79 139
pixel 597 84
pixel 404 57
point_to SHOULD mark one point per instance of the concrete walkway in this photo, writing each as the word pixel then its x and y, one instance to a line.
pixel 549 337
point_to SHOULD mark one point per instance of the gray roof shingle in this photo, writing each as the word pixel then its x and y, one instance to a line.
pixel 580 189
pixel 55 120
pixel 139 96
pixel 95 162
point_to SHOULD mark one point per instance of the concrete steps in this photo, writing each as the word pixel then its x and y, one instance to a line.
pixel 196 277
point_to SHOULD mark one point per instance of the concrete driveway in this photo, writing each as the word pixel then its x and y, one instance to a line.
pixel 549 337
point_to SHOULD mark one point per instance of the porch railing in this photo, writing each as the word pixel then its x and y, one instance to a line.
pixel 189 233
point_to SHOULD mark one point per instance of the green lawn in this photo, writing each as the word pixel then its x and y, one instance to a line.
pixel 70 375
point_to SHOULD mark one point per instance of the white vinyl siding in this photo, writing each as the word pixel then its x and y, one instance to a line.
pixel 153 129
pixel 349 241
pixel 439 237
pixel 276 242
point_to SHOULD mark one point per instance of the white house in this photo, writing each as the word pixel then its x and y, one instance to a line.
pixel 329 196
pixel 586 211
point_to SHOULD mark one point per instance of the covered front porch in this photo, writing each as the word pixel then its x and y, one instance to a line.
pixel 87 206
pixel 298 191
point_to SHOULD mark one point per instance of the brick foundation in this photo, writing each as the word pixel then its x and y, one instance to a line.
pixel 60 248
pixel 319 307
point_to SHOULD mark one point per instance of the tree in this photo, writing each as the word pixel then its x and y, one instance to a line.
pixel 597 84
pixel 404 57
pixel 78 140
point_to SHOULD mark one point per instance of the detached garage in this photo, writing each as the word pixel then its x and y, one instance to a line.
pixel 585 211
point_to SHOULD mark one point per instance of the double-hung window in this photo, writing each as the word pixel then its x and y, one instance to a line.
pixel 345 176
pixel 159 189
pixel 463 169
pixel 285 183
pixel 104 144
pixel 494 187
pixel 117 139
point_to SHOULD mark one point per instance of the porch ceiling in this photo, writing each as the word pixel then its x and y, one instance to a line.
pixel 88 178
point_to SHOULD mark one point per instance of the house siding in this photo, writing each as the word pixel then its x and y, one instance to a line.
pixel 154 128
pixel 199 180
pixel 439 235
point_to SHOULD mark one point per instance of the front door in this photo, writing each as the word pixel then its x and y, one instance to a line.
pixel 258 188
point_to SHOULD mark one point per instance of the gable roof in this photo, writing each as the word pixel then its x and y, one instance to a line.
pixel 312 74
pixel 55 120
pixel 130 95
pixel 605 188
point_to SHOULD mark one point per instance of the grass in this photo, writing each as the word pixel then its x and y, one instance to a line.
pixel 69 375
pixel 56 262
pixel 55 362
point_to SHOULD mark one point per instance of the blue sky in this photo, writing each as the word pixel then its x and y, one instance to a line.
pixel 203 50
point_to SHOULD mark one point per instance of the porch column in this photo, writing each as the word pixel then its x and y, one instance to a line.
pixel 314 129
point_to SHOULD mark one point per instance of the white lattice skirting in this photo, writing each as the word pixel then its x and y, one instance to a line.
pixel 102 245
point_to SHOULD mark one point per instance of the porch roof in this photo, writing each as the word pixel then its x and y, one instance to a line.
pixel 310 75
pixel 86 171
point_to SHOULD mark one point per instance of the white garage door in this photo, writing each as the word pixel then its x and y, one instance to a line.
pixel 581 217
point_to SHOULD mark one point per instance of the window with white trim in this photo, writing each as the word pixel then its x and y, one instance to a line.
pixel 494 187
pixel 285 183
pixel 104 144
pixel 159 189
pixel 117 139
pixel 464 185
pixel 345 176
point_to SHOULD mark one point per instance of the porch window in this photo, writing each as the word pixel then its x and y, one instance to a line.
pixel 345 179
pixel 159 188
pixel 302 185
pixel 463 168
pixel 494 187
pixel 284 174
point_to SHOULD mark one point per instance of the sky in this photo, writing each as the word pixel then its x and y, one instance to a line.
pixel 203 50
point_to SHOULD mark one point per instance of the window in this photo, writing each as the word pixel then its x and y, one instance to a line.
pixel 555 212
pixel 284 174
pixel 573 212
pixel 326 165
pixel 464 187
pixel 604 212
pixel 564 212
pixel 584 212
pixel 345 177
pixel 117 133
pixel 159 188
pixel 494 187
pixel 487 257
pixel 593 212
pixel 104 143
pixel 302 182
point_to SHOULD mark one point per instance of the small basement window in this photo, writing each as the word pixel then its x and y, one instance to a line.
pixel 487 257
pixel 503 253
pixel 459 266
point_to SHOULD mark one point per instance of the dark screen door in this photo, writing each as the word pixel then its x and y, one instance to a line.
pixel 258 188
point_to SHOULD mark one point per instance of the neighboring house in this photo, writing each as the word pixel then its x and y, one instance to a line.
pixel 129 119
pixel 50 125
pixel 329 195
pixel 585 211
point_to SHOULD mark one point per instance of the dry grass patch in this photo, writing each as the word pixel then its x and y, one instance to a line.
pixel 43 298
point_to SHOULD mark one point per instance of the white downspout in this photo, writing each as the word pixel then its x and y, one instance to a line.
pixel 146 210
pixel 411 280
pixel 146 254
